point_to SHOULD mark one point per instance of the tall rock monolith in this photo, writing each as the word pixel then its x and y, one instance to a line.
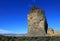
pixel 37 23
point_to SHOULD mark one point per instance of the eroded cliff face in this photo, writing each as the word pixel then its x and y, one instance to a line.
pixel 37 23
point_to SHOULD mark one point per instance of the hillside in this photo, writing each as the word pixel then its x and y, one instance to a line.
pixel 57 32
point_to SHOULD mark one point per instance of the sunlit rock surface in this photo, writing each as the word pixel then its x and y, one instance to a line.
pixel 37 23
pixel 50 32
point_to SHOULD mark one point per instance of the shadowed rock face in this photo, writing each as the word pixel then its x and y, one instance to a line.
pixel 46 26
pixel 37 22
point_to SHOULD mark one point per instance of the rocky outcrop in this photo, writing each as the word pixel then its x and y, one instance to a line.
pixel 50 32
pixel 37 23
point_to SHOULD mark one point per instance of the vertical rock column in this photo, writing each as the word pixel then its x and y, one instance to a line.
pixel 37 23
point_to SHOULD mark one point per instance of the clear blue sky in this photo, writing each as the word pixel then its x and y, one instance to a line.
pixel 13 14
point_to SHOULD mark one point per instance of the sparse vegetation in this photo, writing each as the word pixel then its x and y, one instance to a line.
pixel 53 38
